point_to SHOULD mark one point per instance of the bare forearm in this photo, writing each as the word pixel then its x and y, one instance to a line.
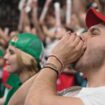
pixel 43 90
pixel 44 86
pixel 19 97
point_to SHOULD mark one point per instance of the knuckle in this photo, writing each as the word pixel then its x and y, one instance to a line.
pixel 72 46
pixel 77 49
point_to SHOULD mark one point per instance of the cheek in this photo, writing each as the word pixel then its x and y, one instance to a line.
pixel 13 66
pixel 96 45
pixel 94 51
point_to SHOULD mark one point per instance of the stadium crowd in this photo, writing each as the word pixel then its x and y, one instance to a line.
pixel 33 34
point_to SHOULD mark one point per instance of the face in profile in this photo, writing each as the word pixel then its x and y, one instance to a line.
pixel 94 55
pixel 11 59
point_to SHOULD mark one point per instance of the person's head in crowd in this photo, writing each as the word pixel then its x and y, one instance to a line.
pixel 50 19
pixel 94 56
pixel 23 54
pixel 60 33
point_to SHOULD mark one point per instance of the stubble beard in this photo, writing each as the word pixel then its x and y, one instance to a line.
pixel 91 60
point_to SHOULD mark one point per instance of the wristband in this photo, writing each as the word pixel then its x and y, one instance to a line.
pixel 62 65
pixel 52 67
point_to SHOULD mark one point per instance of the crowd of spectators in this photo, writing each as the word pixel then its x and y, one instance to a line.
pixel 49 20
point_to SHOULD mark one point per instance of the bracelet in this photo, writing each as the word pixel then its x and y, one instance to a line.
pixel 52 67
pixel 62 65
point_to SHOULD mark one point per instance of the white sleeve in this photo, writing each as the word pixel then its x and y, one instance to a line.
pixel 93 99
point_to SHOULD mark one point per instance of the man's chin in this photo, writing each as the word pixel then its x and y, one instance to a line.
pixel 75 65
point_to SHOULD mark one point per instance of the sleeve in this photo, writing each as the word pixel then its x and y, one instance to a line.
pixel 95 99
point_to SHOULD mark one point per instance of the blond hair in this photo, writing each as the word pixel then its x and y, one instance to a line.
pixel 26 61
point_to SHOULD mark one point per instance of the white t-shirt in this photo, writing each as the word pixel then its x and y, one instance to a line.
pixel 92 96
pixel 89 96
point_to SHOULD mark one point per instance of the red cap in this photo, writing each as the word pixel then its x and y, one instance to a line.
pixel 94 17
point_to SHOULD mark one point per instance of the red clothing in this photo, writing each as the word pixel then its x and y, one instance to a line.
pixel 5 76
pixel 65 80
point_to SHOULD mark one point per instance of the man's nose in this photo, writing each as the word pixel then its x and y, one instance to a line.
pixel 85 36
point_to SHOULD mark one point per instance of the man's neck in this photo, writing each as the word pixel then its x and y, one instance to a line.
pixel 96 78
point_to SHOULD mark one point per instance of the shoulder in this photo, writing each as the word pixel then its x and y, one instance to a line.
pixel 91 96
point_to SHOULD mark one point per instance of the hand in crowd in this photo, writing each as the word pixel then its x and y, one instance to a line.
pixel 69 48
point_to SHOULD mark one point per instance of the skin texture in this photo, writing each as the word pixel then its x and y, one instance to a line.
pixel 11 59
pixel 16 63
pixel 21 93
pixel 93 51
pixel 91 47
pixel 93 39
pixel 69 50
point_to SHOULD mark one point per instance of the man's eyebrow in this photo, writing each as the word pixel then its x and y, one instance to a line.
pixel 95 27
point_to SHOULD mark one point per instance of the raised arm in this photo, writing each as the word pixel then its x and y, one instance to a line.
pixel 24 19
pixel 43 90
